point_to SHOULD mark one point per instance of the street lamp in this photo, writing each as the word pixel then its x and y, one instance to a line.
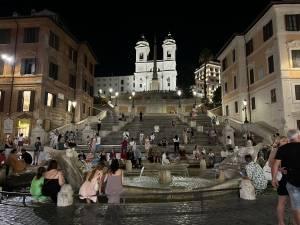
pixel 110 91
pixel 74 103
pixel 133 94
pixel 245 109
pixel 116 101
pixel 10 60
pixel 195 96
pixel 179 94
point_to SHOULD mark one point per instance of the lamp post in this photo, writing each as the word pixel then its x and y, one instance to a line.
pixel 195 96
pixel 74 103
pixel 116 101
pixel 179 94
pixel 10 60
pixel 110 91
pixel 133 94
pixel 245 109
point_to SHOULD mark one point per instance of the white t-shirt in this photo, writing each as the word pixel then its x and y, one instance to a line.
pixel 98 140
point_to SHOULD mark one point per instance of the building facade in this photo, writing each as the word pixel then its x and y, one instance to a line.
pixel 261 68
pixel 213 70
pixel 45 73
pixel 142 78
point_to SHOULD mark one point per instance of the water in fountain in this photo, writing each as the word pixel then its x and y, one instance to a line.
pixel 141 173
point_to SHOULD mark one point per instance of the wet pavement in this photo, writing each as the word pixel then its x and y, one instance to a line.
pixel 221 210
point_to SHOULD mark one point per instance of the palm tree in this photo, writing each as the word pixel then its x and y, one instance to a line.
pixel 204 58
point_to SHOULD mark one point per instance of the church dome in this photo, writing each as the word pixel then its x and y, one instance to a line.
pixel 169 39
pixel 142 42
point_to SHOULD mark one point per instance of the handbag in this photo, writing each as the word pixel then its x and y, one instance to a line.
pixel 268 174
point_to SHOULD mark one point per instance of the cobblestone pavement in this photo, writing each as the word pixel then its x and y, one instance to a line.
pixel 222 210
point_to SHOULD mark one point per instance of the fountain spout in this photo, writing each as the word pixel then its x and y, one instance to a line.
pixel 141 173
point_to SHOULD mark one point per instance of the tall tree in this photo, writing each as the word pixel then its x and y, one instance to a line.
pixel 204 58
pixel 217 98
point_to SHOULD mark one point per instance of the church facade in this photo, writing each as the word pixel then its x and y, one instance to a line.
pixel 149 75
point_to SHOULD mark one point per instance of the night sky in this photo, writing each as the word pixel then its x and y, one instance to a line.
pixel 112 28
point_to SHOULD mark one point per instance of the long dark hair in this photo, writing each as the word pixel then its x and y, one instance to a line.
pixel 114 166
pixel 40 172
pixel 52 165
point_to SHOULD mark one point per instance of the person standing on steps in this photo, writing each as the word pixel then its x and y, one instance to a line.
pixel 141 116
pixel 99 126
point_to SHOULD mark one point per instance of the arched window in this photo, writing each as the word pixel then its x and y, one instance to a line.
pixel 169 55
pixel 141 56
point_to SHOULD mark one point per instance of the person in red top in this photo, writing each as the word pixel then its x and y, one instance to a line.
pixel 2 158
pixel 124 145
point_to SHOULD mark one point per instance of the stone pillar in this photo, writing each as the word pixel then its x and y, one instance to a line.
pixel 202 164
pixel 128 166
pixel 165 176
pixel 38 131
pixel 221 176
pixel 228 131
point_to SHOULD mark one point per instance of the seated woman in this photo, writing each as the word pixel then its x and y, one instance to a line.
pixel 36 186
pixel 114 183
pixel 54 179
pixel 13 161
pixel 92 184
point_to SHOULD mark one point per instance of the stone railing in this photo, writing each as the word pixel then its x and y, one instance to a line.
pixel 81 124
pixel 245 127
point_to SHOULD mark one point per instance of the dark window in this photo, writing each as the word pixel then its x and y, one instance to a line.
pixel 141 85
pixel 169 84
pixel 133 84
pixel 141 56
pixel 296 58
pixel 268 30
pixel 85 85
pixel 72 81
pixel 227 110
pixel 224 64
pixel 234 83
pixel 253 106
pixel 91 68
pixel 31 35
pixel 91 91
pixel 271 64
pixel 2 97
pixel 297 92
pixel 72 55
pixel 298 124
pixel 233 55
pixel 169 54
pixel 273 96
pixel 1 67
pixel 85 61
pixel 249 47
pixel 236 107
pixel 292 22
pixel 83 108
pixel 225 87
pixel 5 36
pixel 54 40
pixel 251 76
pixel 28 66
pixel 53 71
pixel 122 81
pixel 122 89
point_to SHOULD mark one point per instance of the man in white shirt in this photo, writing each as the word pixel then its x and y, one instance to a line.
pixel 141 138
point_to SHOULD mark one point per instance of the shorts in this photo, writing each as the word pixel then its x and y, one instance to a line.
pixel 294 193
pixel 20 143
pixel 281 190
